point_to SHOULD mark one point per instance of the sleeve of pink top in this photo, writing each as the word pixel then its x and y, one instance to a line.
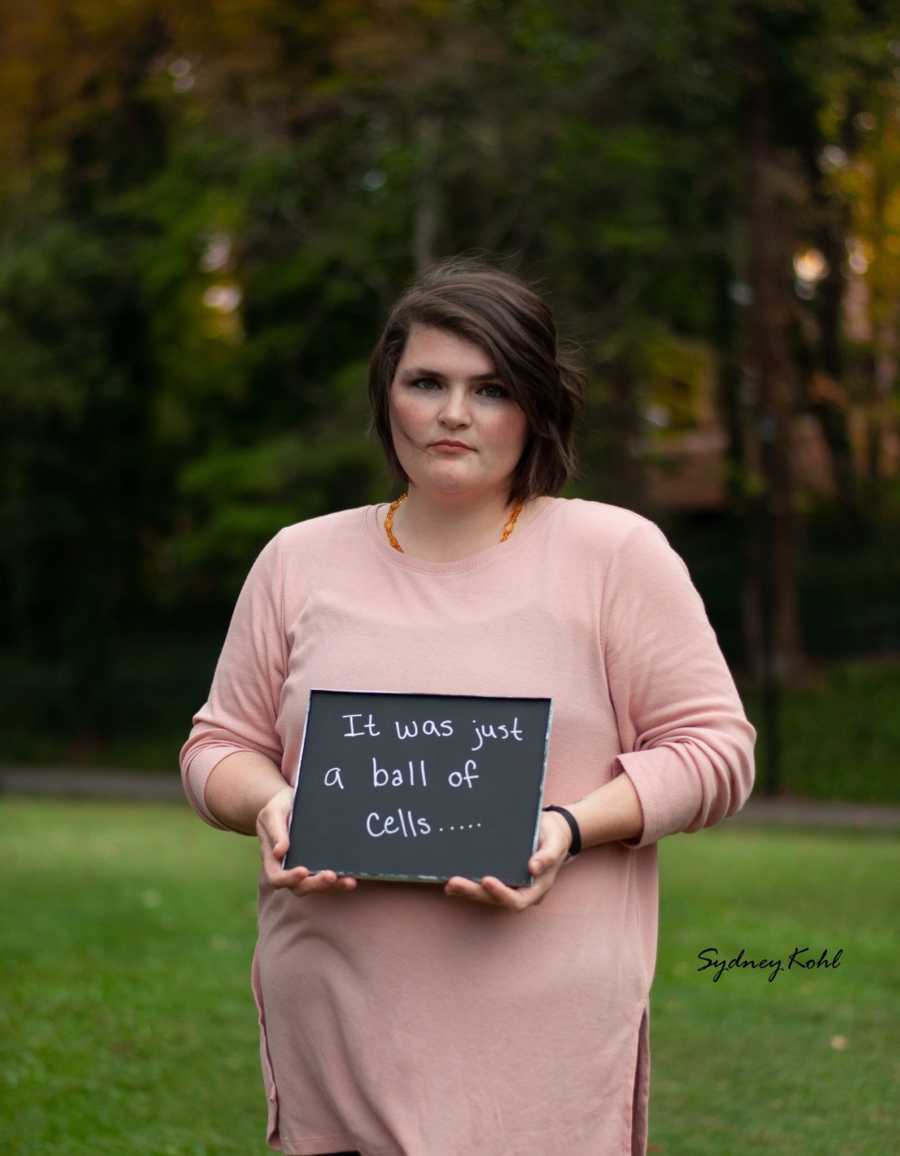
pixel 686 741
pixel 242 707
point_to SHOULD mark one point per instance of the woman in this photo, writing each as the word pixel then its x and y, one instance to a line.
pixel 472 1018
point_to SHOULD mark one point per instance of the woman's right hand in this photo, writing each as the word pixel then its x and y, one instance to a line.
pixel 272 829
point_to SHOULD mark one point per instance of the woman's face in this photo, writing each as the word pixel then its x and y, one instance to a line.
pixel 446 388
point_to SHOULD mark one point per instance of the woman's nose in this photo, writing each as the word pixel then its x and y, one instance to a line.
pixel 456 407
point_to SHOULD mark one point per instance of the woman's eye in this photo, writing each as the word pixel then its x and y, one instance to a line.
pixel 429 384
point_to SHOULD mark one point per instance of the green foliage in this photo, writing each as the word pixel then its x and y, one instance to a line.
pixel 840 733
pixel 206 212
pixel 244 496
pixel 54 278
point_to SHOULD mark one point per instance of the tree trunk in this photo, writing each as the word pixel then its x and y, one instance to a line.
pixel 625 482
pixel 769 394
pixel 427 211
pixel 829 403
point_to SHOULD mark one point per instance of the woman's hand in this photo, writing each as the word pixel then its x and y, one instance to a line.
pixel 554 840
pixel 272 829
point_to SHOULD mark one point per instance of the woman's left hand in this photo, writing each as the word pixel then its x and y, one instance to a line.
pixel 554 840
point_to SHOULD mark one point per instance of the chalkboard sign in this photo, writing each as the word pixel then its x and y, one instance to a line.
pixel 420 787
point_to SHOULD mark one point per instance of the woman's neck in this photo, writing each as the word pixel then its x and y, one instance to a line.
pixel 444 528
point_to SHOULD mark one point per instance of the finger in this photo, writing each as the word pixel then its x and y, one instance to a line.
pixel 464 888
pixel 542 861
pixel 279 878
pixel 514 898
pixel 490 891
pixel 327 881
pixel 553 845
pixel 333 881
pixel 320 881
pixel 554 832
pixel 267 846
pixel 275 833
pixel 517 898
pixel 272 854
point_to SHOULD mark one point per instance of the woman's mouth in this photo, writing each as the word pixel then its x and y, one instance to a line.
pixel 451 447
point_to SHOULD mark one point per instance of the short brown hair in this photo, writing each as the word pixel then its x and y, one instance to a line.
pixel 506 318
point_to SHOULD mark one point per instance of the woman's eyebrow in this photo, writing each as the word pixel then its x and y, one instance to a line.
pixel 422 372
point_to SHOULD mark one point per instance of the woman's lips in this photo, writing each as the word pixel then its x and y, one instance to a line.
pixel 449 448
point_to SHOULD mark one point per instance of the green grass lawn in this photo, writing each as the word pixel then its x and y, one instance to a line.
pixel 127 1026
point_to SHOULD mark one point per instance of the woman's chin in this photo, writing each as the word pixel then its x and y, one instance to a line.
pixel 451 485
pixel 448 477
pixel 451 479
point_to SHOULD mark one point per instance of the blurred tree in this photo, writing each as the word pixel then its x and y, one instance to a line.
pixel 77 373
pixel 208 209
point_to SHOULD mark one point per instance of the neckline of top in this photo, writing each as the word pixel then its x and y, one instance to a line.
pixel 374 524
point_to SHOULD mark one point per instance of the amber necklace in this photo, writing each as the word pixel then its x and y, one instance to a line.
pixel 392 509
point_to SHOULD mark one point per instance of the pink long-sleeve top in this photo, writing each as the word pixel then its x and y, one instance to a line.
pixel 395 1020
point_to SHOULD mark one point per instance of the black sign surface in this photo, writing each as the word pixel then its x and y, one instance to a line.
pixel 420 787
